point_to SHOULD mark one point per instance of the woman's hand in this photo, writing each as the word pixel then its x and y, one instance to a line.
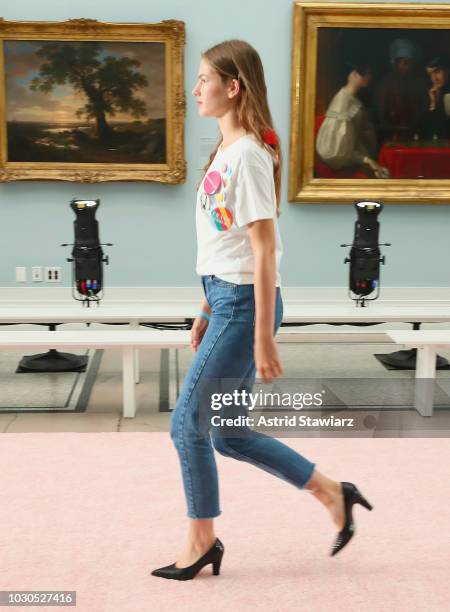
pixel 267 359
pixel 198 331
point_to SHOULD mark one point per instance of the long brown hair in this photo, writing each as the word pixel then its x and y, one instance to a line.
pixel 236 59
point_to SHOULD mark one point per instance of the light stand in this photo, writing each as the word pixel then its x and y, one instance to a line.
pixel 87 281
pixel 52 361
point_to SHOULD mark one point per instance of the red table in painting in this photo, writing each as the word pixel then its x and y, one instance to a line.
pixel 408 162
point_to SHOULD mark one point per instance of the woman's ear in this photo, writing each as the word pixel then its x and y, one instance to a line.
pixel 234 88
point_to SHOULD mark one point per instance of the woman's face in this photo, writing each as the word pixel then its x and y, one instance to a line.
pixel 214 98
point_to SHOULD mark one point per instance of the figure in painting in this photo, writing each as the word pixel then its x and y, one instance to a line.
pixel 436 115
pixel 346 138
pixel 399 95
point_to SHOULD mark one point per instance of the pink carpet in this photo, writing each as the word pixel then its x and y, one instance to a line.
pixel 96 512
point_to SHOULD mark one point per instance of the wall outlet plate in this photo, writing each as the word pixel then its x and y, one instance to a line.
pixel 53 274
pixel 21 274
pixel 36 274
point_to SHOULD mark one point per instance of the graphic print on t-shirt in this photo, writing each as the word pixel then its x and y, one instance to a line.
pixel 221 216
pixel 212 182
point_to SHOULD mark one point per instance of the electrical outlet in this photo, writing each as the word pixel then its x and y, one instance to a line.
pixel 53 274
pixel 21 275
pixel 36 274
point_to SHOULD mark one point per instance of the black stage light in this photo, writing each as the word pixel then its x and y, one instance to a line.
pixel 365 256
pixel 87 254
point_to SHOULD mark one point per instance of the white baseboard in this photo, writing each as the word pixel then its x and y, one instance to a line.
pixel 120 295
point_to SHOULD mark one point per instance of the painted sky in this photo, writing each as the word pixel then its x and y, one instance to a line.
pixel 60 105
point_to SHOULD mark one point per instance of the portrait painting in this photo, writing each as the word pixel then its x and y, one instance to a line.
pixel 375 103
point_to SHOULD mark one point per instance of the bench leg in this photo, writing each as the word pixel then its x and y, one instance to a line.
pixel 425 378
pixel 135 325
pixel 129 387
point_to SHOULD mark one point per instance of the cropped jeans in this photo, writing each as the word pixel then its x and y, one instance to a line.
pixel 226 352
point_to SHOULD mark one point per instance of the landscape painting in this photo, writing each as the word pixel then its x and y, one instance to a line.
pixel 88 101
pixel 85 101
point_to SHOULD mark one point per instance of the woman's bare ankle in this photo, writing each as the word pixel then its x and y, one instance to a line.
pixel 201 534
pixel 324 489
pixel 202 544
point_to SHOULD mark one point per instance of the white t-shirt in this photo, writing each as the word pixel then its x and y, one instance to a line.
pixel 237 189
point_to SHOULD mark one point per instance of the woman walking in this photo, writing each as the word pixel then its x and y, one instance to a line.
pixel 238 259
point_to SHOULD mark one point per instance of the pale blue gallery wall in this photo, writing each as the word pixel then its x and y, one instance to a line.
pixel 152 225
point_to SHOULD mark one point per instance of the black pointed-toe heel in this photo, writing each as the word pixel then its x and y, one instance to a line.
pixel 213 555
pixel 351 496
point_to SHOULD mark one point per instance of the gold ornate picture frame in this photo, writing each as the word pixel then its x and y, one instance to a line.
pixel 404 51
pixel 87 101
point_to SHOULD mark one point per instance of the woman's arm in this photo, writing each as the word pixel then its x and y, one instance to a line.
pixel 262 238
pixel 205 306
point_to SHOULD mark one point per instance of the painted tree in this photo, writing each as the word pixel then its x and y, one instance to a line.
pixel 107 82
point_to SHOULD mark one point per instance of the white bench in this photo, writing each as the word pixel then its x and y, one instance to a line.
pixel 131 339
pixel 427 342
pixel 125 339
pixel 128 340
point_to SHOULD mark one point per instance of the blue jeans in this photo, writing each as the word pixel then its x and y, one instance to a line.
pixel 226 351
